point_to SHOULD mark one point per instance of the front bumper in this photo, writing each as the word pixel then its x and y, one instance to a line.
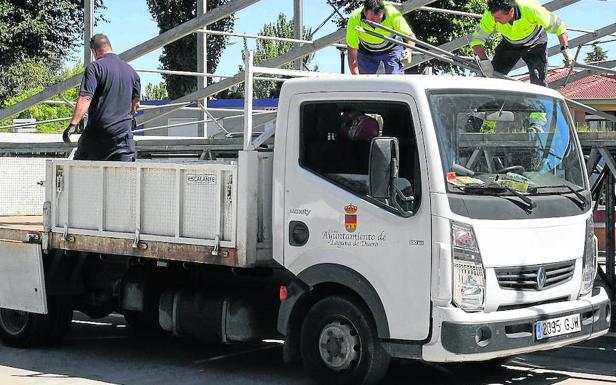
pixel 460 336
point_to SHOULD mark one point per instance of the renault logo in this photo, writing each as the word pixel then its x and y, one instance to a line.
pixel 541 278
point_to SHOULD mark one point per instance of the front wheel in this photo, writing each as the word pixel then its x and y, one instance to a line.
pixel 340 346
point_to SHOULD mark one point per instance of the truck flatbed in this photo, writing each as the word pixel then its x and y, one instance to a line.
pixel 18 228
pixel 30 229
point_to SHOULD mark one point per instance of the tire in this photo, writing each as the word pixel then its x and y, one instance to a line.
pixel 22 329
pixel 61 314
pixel 339 344
pixel 142 322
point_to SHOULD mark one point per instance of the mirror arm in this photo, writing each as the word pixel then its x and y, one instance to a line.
pixel 397 193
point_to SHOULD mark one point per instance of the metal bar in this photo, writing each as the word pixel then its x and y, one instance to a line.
pixel 593 160
pixel 582 74
pixel 178 203
pixel 450 12
pixel 220 206
pixel 584 30
pixel 465 40
pixel 202 65
pixel 284 72
pixel 318 28
pixel 424 44
pixel 594 111
pixel 577 53
pixel 101 211
pixel 298 27
pixel 88 30
pixel 580 40
pixel 198 74
pixel 595 68
pixel 201 121
pixel 295 53
pixel 35 123
pixel 609 230
pixel 250 36
pixel 144 48
pixel 248 95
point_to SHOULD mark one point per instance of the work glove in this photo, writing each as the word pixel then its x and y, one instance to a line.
pixel 406 58
pixel 70 130
pixel 567 56
pixel 487 68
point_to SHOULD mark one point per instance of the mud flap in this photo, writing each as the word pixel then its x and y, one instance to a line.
pixel 22 278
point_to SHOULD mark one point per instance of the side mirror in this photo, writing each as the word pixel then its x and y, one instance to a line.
pixel 383 167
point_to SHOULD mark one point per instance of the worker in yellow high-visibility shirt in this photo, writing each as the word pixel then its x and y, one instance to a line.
pixel 524 25
pixel 366 52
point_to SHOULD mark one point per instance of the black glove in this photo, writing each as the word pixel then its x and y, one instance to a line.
pixel 70 130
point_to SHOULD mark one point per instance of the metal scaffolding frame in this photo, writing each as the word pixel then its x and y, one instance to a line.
pixel 206 18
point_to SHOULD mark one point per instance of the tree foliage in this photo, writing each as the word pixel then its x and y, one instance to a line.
pixel 155 91
pixel 597 54
pixel 35 37
pixel 270 49
pixel 438 28
pixel 44 111
pixel 182 54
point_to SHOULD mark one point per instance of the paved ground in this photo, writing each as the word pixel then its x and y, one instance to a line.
pixel 108 352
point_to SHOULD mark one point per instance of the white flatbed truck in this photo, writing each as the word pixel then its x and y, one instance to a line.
pixel 459 230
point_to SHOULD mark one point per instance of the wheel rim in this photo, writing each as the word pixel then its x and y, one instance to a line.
pixel 13 321
pixel 339 345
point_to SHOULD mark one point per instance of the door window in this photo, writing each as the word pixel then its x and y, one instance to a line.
pixel 336 138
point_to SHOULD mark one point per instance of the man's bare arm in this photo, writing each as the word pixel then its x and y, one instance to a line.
pixel 83 103
pixel 353 64
pixel 480 51
pixel 135 107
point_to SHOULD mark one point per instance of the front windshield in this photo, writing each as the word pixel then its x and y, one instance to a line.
pixel 516 141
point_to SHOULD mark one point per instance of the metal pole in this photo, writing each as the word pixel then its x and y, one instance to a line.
pixel 445 58
pixel 298 24
pixel 595 68
pixel 202 67
pixel 248 94
pixel 609 229
pixel 251 36
pixel 146 47
pixel 88 30
pixel 342 60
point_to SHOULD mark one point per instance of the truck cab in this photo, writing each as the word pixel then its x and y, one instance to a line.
pixel 461 224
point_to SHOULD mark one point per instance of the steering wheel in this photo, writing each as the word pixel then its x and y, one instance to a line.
pixel 517 169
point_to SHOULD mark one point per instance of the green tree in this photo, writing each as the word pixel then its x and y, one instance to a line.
pixel 598 54
pixel 45 111
pixel 181 55
pixel 270 49
pixel 34 33
pixel 438 28
pixel 155 91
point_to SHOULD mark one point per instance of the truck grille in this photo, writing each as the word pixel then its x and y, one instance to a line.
pixel 538 277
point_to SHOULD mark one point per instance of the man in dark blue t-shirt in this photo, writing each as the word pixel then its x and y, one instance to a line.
pixel 110 92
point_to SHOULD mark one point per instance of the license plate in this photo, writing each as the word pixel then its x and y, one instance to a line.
pixel 558 326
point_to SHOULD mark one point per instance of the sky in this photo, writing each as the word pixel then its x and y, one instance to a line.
pixel 130 23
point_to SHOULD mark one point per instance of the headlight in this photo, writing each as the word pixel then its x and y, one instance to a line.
pixel 589 263
pixel 468 273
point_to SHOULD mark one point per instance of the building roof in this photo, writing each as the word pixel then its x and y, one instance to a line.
pixel 596 86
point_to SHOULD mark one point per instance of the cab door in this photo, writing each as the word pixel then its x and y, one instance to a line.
pixel 329 216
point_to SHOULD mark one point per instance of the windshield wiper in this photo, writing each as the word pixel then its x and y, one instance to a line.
pixel 580 201
pixel 495 189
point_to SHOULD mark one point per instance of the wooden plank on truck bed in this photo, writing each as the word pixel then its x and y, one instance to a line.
pixel 149 249
pixel 18 228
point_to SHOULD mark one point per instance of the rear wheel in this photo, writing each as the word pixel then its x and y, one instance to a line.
pixel 22 329
pixel 339 344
